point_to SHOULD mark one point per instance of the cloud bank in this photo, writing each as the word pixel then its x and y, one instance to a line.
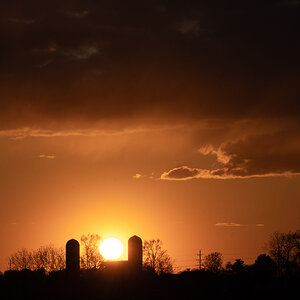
pixel 103 61
pixel 268 155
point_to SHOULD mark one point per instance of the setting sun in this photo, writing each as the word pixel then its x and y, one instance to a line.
pixel 111 248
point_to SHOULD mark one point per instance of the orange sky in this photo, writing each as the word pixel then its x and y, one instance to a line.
pixel 176 120
pixel 56 188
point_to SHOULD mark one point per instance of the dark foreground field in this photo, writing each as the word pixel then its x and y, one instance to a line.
pixel 187 285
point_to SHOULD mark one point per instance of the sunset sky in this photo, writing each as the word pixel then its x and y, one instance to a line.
pixel 177 120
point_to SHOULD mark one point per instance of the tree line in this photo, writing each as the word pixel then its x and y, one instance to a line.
pixel 282 257
pixel 50 258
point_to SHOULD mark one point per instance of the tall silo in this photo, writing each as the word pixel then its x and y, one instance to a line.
pixel 72 256
pixel 135 253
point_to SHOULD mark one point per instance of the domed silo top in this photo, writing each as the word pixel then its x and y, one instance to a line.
pixel 135 239
pixel 72 243
pixel 72 256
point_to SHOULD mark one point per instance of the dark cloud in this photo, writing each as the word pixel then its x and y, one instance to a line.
pixel 181 173
pixel 265 155
pixel 69 62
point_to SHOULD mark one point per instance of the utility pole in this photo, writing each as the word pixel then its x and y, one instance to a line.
pixel 199 260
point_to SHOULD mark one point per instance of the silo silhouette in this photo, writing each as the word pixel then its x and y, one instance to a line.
pixel 72 256
pixel 135 253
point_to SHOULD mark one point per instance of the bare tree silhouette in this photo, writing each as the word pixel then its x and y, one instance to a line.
pixel 48 258
pixel 91 257
pixel 156 259
pixel 213 262
pixel 22 259
pixel 284 248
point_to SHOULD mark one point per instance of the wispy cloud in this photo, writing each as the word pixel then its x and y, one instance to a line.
pixel 260 225
pixel 26 132
pixel 21 21
pixel 137 176
pixel 83 52
pixel 47 156
pixel 219 152
pixel 233 224
pixel 186 173
pixel 230 224
pixel 144 176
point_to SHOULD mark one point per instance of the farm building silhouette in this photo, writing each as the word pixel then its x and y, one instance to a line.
pixel 133 264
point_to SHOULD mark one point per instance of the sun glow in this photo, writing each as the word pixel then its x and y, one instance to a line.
pixel 111 248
